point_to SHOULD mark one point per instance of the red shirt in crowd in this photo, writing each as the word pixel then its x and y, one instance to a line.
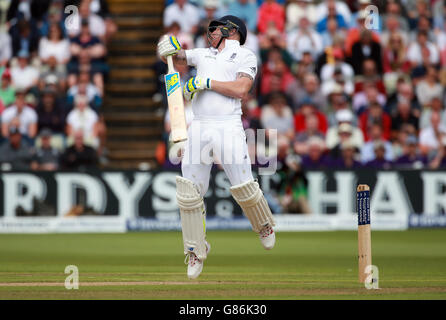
pixel 270 12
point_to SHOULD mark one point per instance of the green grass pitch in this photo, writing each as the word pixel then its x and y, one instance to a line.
pixel 149 265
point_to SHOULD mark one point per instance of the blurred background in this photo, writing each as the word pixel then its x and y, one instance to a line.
pixel 355 90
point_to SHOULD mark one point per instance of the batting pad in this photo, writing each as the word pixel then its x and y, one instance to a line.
pixel 250 198
pixel 192 214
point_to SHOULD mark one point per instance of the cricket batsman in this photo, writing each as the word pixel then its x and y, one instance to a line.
pixel 225 74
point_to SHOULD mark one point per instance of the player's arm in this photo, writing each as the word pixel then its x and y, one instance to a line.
pixel 236 89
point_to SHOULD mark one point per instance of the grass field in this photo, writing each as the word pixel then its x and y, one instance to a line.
pixel 303 265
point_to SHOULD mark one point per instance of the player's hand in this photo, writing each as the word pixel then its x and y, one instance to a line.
pixel 195 84
pixel 168 46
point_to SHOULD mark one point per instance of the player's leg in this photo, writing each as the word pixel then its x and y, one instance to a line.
pixel 191 188
pixel 246 190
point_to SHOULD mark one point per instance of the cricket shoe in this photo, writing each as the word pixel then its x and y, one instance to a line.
pixel 195 265
pixel 267 237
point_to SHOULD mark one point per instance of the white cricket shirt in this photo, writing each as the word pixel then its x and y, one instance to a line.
pixel 220 66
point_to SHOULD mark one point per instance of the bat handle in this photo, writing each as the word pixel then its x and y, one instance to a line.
pixel 170 64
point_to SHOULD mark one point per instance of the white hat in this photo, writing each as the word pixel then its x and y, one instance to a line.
pixel 344 115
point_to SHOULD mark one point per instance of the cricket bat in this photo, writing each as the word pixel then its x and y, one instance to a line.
pixel 175 103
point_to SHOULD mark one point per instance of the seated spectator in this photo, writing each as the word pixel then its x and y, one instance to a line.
pixel 422 51
pixel 52 73
pixel 87 54
pixel 22 116
pixel 403 116
pixel 419 8
pixel 278 115
pixel 46 156
pixel 429 87
pixel 394 11
pixel 24 76
pixel 393 24
pixel 25 37
pixel 50 113
pixel 270 13
pixel 185 13
pixel 275 70
pixel 332 30
pixel 374 114
pixel 316 157
pixel 366 48
pixel 87 88
pixel 394 54
pixel 368 95
pixel 380 161
pixel 94 22
pixel 312 130
pixel 347 158
pixel 245 10
pixel 304 39
pixel 340 7
pixel 16 152
pixel 55 46
pixel 274 39
pixel 333 137
pixel 211 10
pixel 100 8
pixel 439 161
pixel 79 155
pixel 345 134
pixel 339 72
pixel 7 91
pixel 309 91
pixel 297 9
pixel 375 132
pixel 370 74
pixel 308 108
pixel 337 101
pixel 430 137
pixel 82 117
pixel 321 25
pixel 404 91
pixel 5 47
pixel 411 158
pixel 436 105
pixel 354 34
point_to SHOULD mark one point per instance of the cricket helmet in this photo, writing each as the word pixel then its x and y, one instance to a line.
pixel 230 22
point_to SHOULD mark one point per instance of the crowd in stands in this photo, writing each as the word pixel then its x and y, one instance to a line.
pixel 342 93
pixel 52 70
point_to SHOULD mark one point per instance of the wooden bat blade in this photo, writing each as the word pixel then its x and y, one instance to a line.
pixel 176 107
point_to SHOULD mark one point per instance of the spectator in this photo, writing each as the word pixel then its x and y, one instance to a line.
pixel 185 13
pixel 25 37
pixel 347 159
pixel 375 132
pixel 297 9
pixel 275 71
pixel 340 6
pixel 332 30
pixel 52 73
pixel 366 48
pixel 304 39
pixel 95 23
pixel 308 108
pixel 22 116
pixel 404 91
pixel 331 14
pixel 46 156
pixel 55 46
pixel 337 102
pixel 278 115
pixel 86 87
pixel 316 158
pixel 354 34
pixel 51 113
pixel 368 95
pixel 411 159
pixel 436 105
pixel 15 151
pixel 380 161
pixel 301 146
pixel 270 14
pixel 245 10
pixel 374 114
pixel 392 25
pixel 80 154
pixel 422 51
pixel 338 72
pixel 429 87
pixel 5 47
pixel 24 76
pixel 83 118
pixel 393 10
pixel 310 91
pixel 7 91
pixel 394 55
pixel 439 161
pixel 335 135
pixel 403 116
pixel 100 8
pixel 431 136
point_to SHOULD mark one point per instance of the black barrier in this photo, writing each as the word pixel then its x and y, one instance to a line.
pixel 152 193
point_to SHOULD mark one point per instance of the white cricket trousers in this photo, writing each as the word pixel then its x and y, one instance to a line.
pixel 221 141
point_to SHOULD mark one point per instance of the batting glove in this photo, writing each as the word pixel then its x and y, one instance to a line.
pixel 168 46
pixel 195 84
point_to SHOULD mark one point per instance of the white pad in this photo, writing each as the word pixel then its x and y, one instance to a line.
pixel 192 214
pixel 250 198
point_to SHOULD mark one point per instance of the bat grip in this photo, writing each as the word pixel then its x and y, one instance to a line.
pixel 170 67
